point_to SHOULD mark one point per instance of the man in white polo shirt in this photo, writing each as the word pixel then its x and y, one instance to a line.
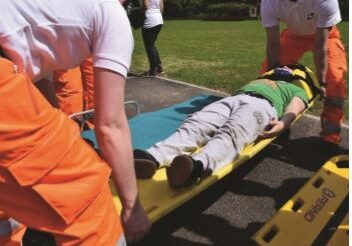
pixel 310 26
pixel 50 179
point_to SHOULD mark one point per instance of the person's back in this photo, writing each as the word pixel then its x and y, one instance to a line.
pixel 153 16
pixel 37 42
pixel 154 6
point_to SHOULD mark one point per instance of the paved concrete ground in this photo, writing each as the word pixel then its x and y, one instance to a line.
pixel 232 210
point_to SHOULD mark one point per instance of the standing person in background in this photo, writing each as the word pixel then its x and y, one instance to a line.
pixel 151 27
pixel 310 26
pixel 50 179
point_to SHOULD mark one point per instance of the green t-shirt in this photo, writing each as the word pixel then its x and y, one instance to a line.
pixel 279 93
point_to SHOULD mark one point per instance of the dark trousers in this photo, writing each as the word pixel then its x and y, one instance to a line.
pixel 149 37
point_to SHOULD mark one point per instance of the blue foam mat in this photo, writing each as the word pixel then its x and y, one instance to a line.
pixel 151 127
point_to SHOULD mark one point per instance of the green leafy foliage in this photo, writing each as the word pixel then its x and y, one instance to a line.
pixel 227 11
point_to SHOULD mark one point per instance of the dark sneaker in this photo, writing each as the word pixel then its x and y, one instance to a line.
pixel 160 71
pixel 159 68
pixel 184 171
pixel 151 74
pixel 161 74
pixel 145 165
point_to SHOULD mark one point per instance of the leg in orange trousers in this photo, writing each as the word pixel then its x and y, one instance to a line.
pixel 50 179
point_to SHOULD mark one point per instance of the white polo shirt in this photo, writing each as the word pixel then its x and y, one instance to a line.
pixel 44 35
pixel 302 17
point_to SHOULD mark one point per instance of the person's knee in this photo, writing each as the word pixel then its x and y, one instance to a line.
pixel 335 87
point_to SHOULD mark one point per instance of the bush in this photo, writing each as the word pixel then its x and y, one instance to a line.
pixel 344 9
pixel 193 7
pixel 224 9
pixel 208 2
pixel 172 8
pixel 136 16
pixel 227 11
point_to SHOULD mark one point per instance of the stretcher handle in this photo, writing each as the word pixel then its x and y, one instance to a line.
pixel 82 113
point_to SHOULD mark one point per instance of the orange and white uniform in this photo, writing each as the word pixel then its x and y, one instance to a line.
pixel 50 179
pixel 302 18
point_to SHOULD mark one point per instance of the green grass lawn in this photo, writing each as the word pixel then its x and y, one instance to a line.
pixel 218 55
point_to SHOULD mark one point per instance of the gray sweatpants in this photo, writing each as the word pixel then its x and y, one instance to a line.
pixel 222 129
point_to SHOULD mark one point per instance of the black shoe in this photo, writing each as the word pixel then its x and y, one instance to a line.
pixel 145 165
pixel 159 68
pixel 153 73
pixel 184 171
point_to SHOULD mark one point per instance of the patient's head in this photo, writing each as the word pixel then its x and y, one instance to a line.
pixel 283 70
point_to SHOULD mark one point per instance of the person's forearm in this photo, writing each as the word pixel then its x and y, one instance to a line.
pixel 273 55
pixel 115 144
pixel 145 5
pixel 114 141
pixel 288 118
pixel 294 108
pixel 162 6
pixel 113 133
pixel 273 46
pixel 320 54
pixel 320 59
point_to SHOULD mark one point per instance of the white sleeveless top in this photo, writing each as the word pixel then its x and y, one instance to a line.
pixel 153 14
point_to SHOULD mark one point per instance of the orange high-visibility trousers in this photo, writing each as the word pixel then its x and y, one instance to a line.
pixel 69 92
pixel 292 48
pixel 86 68
pixel 50 178
pixel 75 89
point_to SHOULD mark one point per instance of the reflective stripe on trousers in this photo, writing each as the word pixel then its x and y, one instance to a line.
pixel 8 226
pixel 121 241
pixel 331 119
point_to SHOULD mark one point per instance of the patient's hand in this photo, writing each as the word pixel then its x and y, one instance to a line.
pixel 275 128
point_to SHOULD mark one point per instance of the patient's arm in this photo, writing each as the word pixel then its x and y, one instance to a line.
pixel 294 108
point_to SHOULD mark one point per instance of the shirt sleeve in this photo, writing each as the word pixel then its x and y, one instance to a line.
pixel 267 14
pixel 328 13
pixel 112 39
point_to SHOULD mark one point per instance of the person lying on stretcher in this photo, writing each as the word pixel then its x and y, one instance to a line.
pixel 214 136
